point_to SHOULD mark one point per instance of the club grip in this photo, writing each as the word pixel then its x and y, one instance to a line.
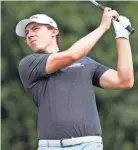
pixel 130 29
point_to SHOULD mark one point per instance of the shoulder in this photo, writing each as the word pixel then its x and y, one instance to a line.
pixel 32 58
pixel 23 64
pixel 24 61
pixel 28 57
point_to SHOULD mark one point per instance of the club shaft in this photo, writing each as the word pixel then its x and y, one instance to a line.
pixel 101 7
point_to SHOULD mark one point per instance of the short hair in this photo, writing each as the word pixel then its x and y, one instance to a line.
pixel 57 37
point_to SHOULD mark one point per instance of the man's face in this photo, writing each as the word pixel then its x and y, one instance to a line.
pixel 38 36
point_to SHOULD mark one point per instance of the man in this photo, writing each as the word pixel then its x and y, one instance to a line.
pixel 62 83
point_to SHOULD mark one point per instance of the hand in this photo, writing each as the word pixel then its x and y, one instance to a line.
pixel 107 17
pixel 120 26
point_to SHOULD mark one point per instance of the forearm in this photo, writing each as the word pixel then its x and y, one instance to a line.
pixel 125 63
pixel 82 47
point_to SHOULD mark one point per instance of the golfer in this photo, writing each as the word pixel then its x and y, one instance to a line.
pixel 61 84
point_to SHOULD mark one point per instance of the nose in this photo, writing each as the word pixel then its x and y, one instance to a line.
pixel 30 34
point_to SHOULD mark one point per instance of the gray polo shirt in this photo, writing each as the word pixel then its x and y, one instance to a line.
pixel 65 99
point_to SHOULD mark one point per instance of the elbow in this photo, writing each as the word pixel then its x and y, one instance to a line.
pixel 76 55
pixel 129 84
pixel 127 81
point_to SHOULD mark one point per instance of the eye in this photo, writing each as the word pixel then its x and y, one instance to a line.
pixel 26 33
pixel 36 28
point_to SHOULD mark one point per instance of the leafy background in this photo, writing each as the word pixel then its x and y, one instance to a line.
pixel 118 109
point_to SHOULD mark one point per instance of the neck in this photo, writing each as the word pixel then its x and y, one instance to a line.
pixel 52 48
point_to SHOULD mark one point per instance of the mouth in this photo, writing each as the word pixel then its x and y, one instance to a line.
pixel 33 42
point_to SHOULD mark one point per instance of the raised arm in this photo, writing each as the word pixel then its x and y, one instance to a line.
pixel 82 47
pixel 78 50
pixel 123 77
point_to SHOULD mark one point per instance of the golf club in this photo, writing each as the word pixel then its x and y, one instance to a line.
pixel 129 28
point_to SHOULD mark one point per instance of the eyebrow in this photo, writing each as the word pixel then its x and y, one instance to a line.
pixel 26 31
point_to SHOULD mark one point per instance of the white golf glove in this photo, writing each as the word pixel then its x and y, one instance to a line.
pixel 120 26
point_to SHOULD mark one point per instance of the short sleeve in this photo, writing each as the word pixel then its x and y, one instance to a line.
pixel 98 72
pixel 32 68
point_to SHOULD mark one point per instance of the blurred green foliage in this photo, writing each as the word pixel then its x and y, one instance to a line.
pixel 118 109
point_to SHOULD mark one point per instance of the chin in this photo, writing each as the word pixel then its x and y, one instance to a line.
pixel 36 49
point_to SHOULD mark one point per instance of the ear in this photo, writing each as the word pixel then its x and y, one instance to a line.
pixel 55 32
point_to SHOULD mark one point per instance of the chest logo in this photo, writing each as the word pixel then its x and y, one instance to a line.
pixel 76 65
